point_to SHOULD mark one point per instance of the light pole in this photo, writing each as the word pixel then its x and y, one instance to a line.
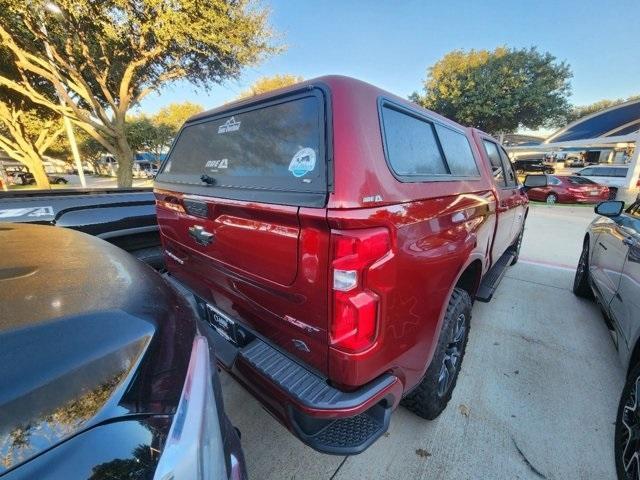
pixel 53 8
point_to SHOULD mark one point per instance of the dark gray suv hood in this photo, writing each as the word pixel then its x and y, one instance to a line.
pixel 87 334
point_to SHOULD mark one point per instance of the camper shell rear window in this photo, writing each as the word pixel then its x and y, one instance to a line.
pixel 273 152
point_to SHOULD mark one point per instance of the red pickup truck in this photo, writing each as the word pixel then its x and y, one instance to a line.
pixel 335 237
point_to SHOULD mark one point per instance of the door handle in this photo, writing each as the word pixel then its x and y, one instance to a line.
pixel 602 245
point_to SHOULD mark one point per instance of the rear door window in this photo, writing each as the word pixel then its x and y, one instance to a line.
pixel 277 147
pixel 496 163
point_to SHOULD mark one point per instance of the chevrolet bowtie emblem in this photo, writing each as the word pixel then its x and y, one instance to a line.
pixel 200 235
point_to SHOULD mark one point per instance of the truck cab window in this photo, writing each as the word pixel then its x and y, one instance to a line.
pixel 496 163
pixel 510 174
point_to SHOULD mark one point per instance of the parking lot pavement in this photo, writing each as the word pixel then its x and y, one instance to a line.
pixel 536 397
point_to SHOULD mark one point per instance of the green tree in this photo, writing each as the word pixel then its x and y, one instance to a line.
pixel 91 151
pixel 266 84
pixel 143 134
pixel 175 114
pixel 498 91
pixel 27 130
pixel 105 57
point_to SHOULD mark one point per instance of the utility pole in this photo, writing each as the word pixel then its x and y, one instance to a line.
pixel 53 8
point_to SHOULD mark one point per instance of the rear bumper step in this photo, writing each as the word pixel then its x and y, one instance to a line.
pixel 324 422
pixel 325 418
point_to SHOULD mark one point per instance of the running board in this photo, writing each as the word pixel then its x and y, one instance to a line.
pixel 492 279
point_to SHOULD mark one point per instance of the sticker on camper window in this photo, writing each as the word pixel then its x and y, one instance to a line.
pixel 230 125
pixel 217 164
pixel 303 162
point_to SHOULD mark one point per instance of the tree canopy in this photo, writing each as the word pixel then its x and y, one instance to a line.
pixel 175 114
pixel 27 130
pixel 266 84
pixel 498 91
pixel 104 57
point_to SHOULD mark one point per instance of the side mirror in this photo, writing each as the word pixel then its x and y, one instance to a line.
pixel 611 208
pixel 534 181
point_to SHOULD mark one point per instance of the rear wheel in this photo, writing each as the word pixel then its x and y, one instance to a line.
pixel 552 198
pixel 432 394
pixel 627 436
pixel 613 192
pixel 581 285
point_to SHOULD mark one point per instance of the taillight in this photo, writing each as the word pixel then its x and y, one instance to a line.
pixel 355 301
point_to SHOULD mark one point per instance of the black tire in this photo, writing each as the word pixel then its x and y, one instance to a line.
pixel 627 438
pixel 60 181
pixel 613 192
pixel 581 286
pixel 432 394
pixel 551 199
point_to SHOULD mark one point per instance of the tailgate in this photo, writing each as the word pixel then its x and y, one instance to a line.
pixel 238 200
pixel 266 268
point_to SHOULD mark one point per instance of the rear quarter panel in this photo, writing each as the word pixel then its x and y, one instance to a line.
pixel 435 240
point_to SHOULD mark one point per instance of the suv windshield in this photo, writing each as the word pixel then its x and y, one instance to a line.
pixel 277 147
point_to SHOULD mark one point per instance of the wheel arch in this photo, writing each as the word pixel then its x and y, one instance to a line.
pixel 634 359
pixel 469 278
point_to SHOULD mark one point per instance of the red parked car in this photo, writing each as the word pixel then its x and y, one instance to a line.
pixel 335 237
pixel 568 189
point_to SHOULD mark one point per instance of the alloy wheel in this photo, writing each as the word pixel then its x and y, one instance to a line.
pixel 551 199
pixel 630 434
pixel 452 357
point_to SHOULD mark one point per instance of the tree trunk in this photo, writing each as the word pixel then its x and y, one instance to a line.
pixel 36 168
pixel 124 156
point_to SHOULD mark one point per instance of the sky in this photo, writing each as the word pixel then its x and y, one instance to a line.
pixel 391 44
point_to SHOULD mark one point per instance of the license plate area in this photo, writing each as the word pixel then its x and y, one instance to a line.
pixel 226 326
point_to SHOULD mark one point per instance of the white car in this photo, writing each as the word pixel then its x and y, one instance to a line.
pixel 612 176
